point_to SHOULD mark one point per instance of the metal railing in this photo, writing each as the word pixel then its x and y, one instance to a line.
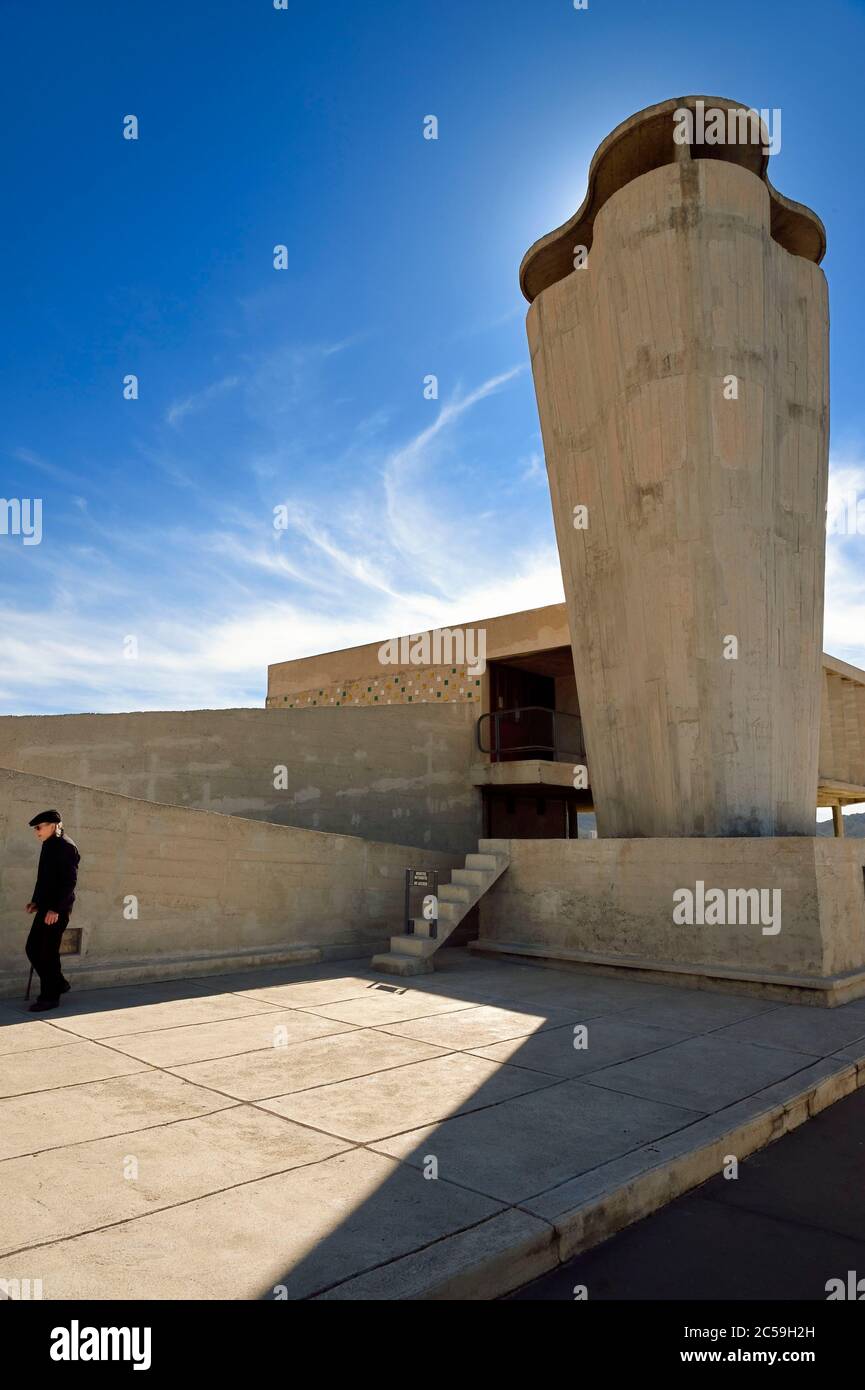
pixel 532 732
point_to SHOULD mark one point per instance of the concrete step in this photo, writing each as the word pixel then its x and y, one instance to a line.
pixel 451 912
pixel 392 964
pixel 484 861
pixel 422 929
pixel 454 893
pixel 494 847
pixel 412 945
pixel 470 878
pixel 412 952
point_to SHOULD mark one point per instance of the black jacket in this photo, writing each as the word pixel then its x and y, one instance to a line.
pixel 57 875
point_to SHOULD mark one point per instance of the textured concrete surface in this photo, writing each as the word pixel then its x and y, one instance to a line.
pixel 612 901
pixel 383 1155
pixel 791 1220
pixel 705 513
pixel 206 886
pixel 399 774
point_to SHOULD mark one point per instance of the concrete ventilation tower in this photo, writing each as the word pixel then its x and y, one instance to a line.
pixel 679 341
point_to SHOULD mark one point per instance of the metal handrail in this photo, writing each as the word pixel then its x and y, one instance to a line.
pixel 564 744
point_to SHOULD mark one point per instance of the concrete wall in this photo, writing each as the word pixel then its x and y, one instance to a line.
pixel 513 634
pixel 613 899
pixel 399 775
pixel 842 728
pixel 211 889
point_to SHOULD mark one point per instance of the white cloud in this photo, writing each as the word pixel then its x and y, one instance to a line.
pixel 199 399
pixel 214 600
pixel 844 622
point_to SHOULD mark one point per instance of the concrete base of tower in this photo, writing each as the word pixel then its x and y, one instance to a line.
pixel 783 917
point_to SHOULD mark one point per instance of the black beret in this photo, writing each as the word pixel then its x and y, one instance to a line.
pixel 46 817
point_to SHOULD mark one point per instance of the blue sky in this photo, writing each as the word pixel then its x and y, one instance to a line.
pixel 304 387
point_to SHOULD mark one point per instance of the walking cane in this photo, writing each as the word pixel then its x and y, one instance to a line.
pixel 29 983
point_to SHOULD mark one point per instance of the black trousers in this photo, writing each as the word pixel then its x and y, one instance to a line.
pixel 43 953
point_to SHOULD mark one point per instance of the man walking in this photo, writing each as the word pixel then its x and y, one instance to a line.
pixel 52 902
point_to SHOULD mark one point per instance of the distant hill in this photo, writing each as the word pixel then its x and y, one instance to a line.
pixel 854 826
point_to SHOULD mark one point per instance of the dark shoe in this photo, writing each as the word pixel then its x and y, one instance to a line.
pixel 42 1004
pixel 65 987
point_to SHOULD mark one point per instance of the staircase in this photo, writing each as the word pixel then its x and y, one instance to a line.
pixel 412 954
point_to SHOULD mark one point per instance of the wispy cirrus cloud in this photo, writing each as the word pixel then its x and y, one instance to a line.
pixel 212 601
pixel 199 400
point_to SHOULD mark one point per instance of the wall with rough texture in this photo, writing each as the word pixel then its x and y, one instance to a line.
pixel 513 634
pixel 614 898
pixel 411 685
pixel 209 888
pixel 706 515
pixel 399 775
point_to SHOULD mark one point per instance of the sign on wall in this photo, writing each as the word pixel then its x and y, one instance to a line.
pixel 421 900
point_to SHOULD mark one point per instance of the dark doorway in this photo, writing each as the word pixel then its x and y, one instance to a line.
pixel 521 705
pixel 513 688
pixel 531 817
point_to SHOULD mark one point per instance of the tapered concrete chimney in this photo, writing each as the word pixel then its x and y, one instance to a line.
pixel 682 384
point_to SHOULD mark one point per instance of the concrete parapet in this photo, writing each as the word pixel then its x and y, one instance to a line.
pixel 610 904
pixel 208 889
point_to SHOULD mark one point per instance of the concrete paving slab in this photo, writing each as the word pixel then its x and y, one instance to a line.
pixel 303 1231
pixel 159 1014
pixel 815 1031
pixel 526 984
pixel 321 1061
pixel 205 1041
pixel 51 1119
pixel 592 990
pixel 50 1069
pixel 272 976
pixel 700 1010
pixel 64 1192
pixel 856 1006
pixel 608 1039
pixel 853 1052
pixel 485 1024
pixel 471 989
pixel 705 1073
pixel 470 1266
pixel 384 1006
pixel 591 1206
pixel 28 1037
pixel 582 1159
pixel 89 1001
pixel 327 990
pixel 388 1102
pixel 525 1145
